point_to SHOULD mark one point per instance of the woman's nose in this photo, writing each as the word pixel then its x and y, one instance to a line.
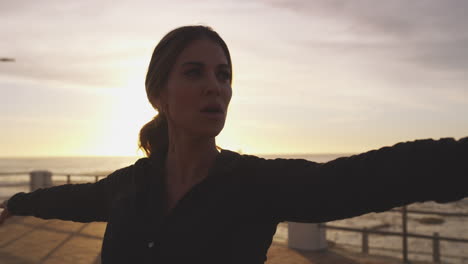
pixel 212 85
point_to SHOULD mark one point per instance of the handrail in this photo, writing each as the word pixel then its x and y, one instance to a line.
pixel 366 232
pixel 96 176
pixel 80 174
pixel 13 173
pixel 56 174
pixel 430 212
pixel 392 233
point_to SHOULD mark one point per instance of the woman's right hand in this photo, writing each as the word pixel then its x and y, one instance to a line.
pixel 5 213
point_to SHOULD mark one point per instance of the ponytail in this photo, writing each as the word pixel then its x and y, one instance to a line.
pixel 154 136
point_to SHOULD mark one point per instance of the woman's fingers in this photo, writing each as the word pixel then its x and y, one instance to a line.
pixel 4 214
pixel 2 217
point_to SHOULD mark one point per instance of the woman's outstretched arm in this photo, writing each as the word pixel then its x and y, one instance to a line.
pixel 77 202
pixel 375 181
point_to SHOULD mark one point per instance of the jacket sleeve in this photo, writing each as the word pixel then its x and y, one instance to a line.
pixel 77 202
pixel 304 191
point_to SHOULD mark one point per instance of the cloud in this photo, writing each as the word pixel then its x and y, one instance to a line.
pixel 98 43
pixel 428 33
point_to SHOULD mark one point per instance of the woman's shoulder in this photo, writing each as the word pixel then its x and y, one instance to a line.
pixel 131 172
pixel 127 180
pixel 245 162
pixel 255 161
pixel 234 159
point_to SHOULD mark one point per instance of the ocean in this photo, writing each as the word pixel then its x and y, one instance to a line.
pixel 420 249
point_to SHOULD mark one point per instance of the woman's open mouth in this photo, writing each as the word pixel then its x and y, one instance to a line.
pixel 213 111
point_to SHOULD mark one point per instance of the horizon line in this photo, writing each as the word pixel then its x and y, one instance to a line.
pixel 136 156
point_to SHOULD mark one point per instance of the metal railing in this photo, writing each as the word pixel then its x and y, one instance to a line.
pixel 94 175
pixel 436 238
pixel 69 175
pixel 67 178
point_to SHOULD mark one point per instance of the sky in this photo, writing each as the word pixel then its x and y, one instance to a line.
pixel 328 76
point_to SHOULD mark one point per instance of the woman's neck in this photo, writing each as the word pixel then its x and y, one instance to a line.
pixel 189 161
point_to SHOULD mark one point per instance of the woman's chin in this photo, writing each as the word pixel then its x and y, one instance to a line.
pixel 211 131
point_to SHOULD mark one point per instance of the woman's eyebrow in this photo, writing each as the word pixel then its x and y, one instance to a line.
pixel 201 64
pixel 223 66
pixel 193 63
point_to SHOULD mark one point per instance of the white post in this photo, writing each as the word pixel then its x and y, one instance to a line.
pixel 306 236
pixel 40 179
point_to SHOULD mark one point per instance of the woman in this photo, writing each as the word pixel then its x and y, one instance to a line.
pixel 190 201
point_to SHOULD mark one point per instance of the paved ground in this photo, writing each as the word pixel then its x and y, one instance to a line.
pixel 33 240
pixel 29 240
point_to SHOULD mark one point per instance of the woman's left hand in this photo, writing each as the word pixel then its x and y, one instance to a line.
pixel 5 213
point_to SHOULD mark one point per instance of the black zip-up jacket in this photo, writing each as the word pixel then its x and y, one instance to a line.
pixel 231 216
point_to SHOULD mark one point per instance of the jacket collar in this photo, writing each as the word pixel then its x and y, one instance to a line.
pixel 150 196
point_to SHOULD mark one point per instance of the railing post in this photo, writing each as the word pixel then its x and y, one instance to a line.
pixel 306 236
pixel 404 215
pixel 68 179
pixel 96 178
pixel 436 248
pixel 39 179
pixel 365 241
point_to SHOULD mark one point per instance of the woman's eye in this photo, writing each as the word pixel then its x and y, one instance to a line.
pixel 193 73
pixel 224 76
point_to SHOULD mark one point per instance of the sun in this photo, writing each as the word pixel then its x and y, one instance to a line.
pixel 131 111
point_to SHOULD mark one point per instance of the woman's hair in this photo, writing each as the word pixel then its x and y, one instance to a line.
pixel 154 134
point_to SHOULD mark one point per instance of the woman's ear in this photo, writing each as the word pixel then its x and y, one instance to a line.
pixel 159 103
pixel 155 102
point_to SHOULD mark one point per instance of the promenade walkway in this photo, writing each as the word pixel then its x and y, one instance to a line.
pixel 29 240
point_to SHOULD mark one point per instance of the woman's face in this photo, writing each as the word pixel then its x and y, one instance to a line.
pixel 198 90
